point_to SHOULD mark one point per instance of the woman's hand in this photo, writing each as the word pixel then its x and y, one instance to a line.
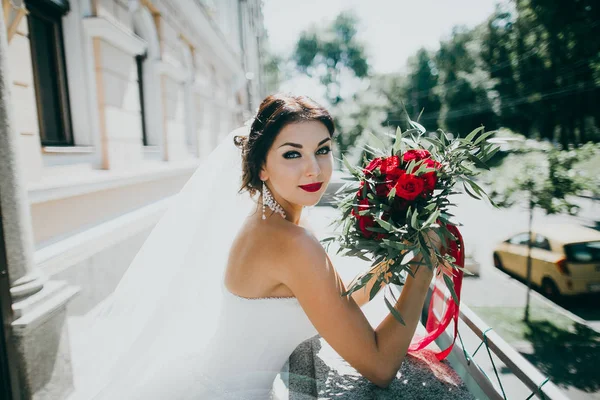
pixel 433 240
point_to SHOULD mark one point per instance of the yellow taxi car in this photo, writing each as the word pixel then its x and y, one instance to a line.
pixel 565 259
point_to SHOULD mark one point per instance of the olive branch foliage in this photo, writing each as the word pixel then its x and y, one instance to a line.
pixel 393 257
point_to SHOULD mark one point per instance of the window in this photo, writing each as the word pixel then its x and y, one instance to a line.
pixel 139 60
pixel 520 239
pixel 583 252
pixel 47 54
pixel 541 242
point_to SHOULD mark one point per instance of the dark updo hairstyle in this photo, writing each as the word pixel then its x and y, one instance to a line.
pixel 275 112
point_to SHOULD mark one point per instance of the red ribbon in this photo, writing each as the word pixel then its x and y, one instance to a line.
pixel 436 326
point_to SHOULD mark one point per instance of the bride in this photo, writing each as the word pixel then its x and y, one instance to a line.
pixel 226 286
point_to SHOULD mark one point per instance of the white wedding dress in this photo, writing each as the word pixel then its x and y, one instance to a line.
pixel 254 338
pixel 172 330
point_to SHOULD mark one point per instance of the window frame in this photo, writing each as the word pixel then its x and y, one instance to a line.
pixel 51 12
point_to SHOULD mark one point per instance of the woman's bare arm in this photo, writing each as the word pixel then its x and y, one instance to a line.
pixel 376 354
pixel 361 296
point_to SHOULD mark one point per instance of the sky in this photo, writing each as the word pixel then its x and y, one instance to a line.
pixel 392 30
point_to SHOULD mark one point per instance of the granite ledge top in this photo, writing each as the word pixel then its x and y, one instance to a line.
pixel 317 372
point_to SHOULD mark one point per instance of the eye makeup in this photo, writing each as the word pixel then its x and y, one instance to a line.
pixel 292 154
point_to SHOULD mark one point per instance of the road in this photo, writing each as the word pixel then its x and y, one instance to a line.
pixel 484 227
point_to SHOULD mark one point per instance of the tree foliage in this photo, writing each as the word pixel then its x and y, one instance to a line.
pixel 533 66
pixel 327 52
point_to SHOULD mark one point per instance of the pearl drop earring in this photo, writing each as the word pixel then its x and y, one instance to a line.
pixel 269 201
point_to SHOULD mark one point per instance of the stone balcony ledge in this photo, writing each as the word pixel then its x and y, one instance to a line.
pixel 316 371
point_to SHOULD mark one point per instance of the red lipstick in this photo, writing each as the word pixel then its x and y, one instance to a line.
pixel 313 187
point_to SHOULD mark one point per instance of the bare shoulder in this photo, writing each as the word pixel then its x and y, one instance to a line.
pixel 279 245
pixel 299 246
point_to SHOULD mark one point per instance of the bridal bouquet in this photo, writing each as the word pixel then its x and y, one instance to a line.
pixel 399 201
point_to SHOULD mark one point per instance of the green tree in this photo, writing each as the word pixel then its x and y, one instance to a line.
pixel 543 57
pixel 272 71
pixel 327 52
pixel 415 91
pixel 359 116
pixel 464 84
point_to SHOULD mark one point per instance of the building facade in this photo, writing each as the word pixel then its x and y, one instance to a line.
pixel 115 103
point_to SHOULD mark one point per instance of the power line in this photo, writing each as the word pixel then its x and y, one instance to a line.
pixel 505 64
pixel 476 108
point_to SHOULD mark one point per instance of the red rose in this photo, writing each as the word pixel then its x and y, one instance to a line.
pixel 368 221
pixel 429 180
pixel 389 164
pixel 373 165
pixel 359 192
pixel 364 222
pixel 419 154
pixel 432 163
pixel 394 174
pixel 409 186
pixel 383 189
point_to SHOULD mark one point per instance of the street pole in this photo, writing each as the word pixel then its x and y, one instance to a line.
pixel 526 317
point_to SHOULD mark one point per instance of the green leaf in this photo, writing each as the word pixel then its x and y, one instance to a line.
pixel 347 164
pixel 471 135
pixel 431 207
pixel 384 224
pixel 425 250
pixel 394 244
pixel 393 310
pixel 477 161
pixel 470 193
pixel 375 289
pixel 413 220
pixel 421 113
pixel 450 286
pixel 409 256
pixel 439 145
pixel 432 218
pixel 375 142
pixel 483 137
pixel 398 140
pixel 392 193
pixel 362 257
pixel 491 153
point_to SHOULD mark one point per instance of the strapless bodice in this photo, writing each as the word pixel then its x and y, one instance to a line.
pixel 254 338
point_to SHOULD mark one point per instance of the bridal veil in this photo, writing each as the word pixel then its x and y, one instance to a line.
pixel 168 302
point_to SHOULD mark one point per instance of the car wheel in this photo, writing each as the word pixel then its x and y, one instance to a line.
pixel 549 289
pixel 498 262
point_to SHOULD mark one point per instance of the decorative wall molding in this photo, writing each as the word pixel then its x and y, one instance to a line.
pixel 114 34
pixel 66 253
pixel 176 73
pixel 95 181
pixel 229 59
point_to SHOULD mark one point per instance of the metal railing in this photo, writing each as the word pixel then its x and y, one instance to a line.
pixel 471 371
